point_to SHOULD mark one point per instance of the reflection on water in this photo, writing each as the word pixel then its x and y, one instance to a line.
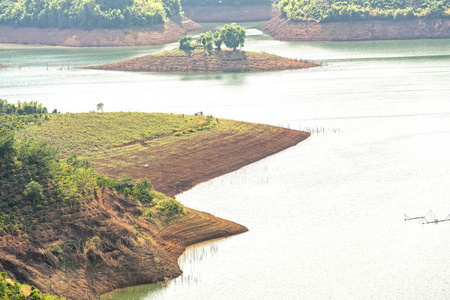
pixel 195 254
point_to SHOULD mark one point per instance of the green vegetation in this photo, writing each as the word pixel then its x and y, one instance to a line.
pixel 360 10
pixel 87 14
pixel 11 289
pixel 232 35
pixel 33 182
pixel 93 132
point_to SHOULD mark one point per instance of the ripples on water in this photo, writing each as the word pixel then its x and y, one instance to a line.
pixel 326 216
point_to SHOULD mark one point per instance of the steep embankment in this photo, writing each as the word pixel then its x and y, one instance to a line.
pixel 104 246
pixel 230 13
pixel 152 35
pixel 283 29
pixel 201 61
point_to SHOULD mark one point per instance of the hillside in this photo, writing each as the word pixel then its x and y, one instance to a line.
pixel 362 10
pixel 202 61
pixel 85 234
pixel 87 14
pixel 286 30
pixel 158 34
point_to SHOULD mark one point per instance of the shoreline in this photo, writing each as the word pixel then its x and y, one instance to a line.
pixel 282 29
pixel 133 250
pixel 200 61
pixel 206 227
pixel 145 36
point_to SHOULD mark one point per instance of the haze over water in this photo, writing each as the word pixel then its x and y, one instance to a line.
pixel 326 216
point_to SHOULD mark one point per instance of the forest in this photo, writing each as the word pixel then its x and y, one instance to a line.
pixel 87 14
pixel 360 10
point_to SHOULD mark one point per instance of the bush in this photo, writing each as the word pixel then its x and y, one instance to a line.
pixel 170 208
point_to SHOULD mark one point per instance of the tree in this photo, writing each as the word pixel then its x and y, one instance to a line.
pixel 141 190
pixel 100 107
pixel 233 35
pixel 186 43
pixel 33 191
pixel 206 39
pixel 6 144
pixel 217 40
pixel 37 153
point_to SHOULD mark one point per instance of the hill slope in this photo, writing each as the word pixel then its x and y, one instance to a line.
pixel 101 238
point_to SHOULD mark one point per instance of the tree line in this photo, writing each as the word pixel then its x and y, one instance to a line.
pixel 232 35
pixel 87 14
pixel 360 10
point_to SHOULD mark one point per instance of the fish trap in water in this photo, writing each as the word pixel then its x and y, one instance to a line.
pixel 429 218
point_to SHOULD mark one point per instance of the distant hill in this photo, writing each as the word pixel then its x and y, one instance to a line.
pixel 87 14
pixel 362 10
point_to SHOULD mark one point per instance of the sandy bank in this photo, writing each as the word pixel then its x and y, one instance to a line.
pixel 200 61
pixel 283 29
pixel 152 35
pixel 230 13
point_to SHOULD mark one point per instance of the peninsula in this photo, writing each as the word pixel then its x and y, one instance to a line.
pixel 79 228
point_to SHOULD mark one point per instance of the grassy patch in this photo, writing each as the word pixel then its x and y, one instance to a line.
pixel 93 132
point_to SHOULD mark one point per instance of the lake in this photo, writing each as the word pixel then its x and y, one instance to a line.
pixel 326 217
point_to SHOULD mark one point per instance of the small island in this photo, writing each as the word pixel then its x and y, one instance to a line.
pixel 205 54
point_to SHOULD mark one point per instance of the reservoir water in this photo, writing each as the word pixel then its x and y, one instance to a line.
pixel 326 217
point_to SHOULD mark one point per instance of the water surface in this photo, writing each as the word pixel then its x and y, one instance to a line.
pixel 326 216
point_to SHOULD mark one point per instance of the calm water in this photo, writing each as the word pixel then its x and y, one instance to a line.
pixel 326 216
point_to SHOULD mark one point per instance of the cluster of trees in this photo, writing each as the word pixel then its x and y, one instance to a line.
pixel 22 108
pixel 359 10
pixel 225 2
pixel 87 14
pixel 232 35
pixel 11 289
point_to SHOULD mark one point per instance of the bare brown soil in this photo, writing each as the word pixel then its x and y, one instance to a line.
pixel 178 166
pixel 152 35
pixel 130 251
pixel 230 13
pixel 200 61
pixel 283 29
